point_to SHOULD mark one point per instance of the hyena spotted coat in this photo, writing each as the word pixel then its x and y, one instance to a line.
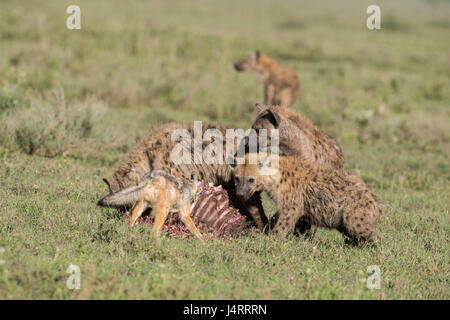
pixel 304 189
pixel 298 136
pixel 280 83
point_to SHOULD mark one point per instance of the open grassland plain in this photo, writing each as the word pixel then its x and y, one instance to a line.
pixel 73 103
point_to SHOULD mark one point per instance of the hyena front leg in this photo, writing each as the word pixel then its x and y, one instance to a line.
pixel 288 217
pixel 305 228
pixel 256 210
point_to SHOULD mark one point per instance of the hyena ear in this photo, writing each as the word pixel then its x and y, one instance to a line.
pixel 257 55
pixel 260 106
pixel 274 117
pixel 231 161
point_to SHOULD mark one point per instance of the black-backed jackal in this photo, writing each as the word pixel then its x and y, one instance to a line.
pixel 164 193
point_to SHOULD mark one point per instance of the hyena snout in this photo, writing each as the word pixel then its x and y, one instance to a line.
pixel 243 191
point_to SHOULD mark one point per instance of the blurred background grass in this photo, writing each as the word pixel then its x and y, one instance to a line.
pixel 73 102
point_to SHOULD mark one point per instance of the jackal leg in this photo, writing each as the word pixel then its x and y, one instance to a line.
pixel 185 216
pixel 161 211
pixel 137 211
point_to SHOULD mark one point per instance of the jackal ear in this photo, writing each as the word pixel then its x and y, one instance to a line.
pixel 175 174
pixel 257 55
pixel 193 177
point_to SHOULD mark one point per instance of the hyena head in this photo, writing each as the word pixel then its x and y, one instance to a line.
pixel 254 174
pixel 249 63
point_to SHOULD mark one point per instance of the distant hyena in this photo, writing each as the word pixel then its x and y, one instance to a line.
pixel 298 136
pixel 302 189
pixel 154 152
pixel 280 83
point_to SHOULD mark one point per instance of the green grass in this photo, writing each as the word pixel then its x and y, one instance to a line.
pixel 384 95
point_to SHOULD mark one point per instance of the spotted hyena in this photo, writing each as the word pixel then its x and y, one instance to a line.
pixel 304 189
pixel 280 83
pixel 298 136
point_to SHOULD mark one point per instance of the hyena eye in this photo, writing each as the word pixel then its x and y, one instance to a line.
pixel 237 179
pixel 251 180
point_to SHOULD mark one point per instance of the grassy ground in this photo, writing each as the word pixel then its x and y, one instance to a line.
pixel 72 104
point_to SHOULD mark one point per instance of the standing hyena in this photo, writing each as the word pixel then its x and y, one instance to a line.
pixel 301 188
pixel 154 152
pixel 280 83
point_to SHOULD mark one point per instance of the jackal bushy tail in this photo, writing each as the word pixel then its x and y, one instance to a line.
pixel 125 197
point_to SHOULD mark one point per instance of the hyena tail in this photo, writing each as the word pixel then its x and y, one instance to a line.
pixel 112 184
pixel 108 184
pixel 125 197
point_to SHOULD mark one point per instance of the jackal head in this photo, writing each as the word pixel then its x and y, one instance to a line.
pixel 191 183
pixel 255 173
pixel 249 63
